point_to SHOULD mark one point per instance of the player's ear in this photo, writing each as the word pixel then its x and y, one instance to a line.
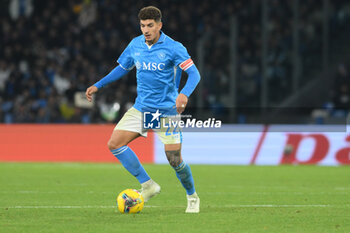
pixel 160 25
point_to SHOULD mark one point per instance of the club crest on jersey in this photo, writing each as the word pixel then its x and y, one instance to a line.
pixel 138 65
pixel 161 55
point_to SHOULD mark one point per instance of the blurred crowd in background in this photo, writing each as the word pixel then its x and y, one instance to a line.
pixel 51 50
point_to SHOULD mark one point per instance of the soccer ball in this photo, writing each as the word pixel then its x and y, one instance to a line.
pixel 130 201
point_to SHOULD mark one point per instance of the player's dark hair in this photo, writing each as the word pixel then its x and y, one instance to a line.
pixel 150 12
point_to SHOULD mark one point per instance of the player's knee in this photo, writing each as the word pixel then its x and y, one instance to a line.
pixel 112 145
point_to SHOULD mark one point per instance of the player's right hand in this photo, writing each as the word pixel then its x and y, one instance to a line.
pixel 91 90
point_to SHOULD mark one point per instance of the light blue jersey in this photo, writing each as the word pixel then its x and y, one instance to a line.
pixel 158 71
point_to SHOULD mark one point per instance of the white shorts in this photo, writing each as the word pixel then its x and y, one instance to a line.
pixel 133 121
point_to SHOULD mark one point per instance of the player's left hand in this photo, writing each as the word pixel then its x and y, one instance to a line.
pixel 181 102
pixel 91 90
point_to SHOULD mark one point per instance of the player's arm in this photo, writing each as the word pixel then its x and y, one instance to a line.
pixel 192 81
pixel 114 75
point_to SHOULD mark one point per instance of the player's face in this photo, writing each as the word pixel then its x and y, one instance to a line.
pixel 151 30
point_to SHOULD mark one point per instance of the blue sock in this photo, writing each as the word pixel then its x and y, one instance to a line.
pixel 184 174
pixel 131 163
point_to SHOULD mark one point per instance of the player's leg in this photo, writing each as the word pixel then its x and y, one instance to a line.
pixel 171 137
pixel 184 174
pixel 183 170
pixel 128 129
pixel 117 144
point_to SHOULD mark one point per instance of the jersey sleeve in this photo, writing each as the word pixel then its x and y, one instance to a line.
pixel 125 60
pixel 181 57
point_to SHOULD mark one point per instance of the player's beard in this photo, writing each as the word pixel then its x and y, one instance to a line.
pixel 149 41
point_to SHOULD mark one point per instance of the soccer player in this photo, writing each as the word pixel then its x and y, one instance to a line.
pixel 159 61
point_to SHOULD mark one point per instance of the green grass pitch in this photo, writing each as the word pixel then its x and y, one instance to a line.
pixel 74 197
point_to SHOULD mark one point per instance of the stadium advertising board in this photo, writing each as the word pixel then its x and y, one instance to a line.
pixel 258 145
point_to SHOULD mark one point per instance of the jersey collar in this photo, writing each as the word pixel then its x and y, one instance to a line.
pixel 161 38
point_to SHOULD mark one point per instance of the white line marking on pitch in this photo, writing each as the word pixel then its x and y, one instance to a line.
pixel 278 206
pixel 153 206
